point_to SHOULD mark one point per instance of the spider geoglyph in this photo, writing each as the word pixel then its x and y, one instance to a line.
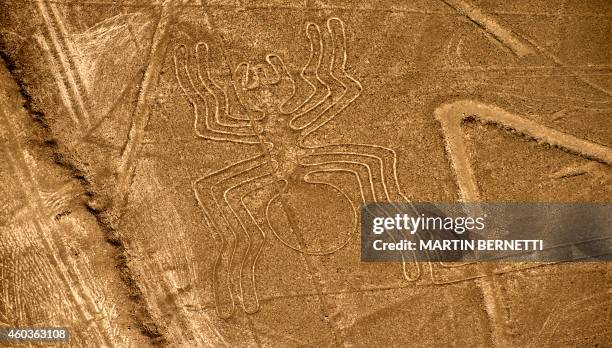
pixel 284 114
pixel 281 128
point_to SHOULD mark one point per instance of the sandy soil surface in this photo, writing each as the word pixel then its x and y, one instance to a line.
pixel 189 173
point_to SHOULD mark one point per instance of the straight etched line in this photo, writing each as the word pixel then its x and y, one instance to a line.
pixel 55 36
pixel 490 26
pixel 80 93
pixel 59 79
pixel 560 63
pixel 140 116
pixel 521 45
pixel 314 279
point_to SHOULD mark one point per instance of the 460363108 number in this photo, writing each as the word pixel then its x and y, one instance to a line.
pixel 34 334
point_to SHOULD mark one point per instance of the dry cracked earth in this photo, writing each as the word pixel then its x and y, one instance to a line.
pixel 188 173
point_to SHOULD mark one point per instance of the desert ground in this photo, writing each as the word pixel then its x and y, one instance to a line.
pixel 189 173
